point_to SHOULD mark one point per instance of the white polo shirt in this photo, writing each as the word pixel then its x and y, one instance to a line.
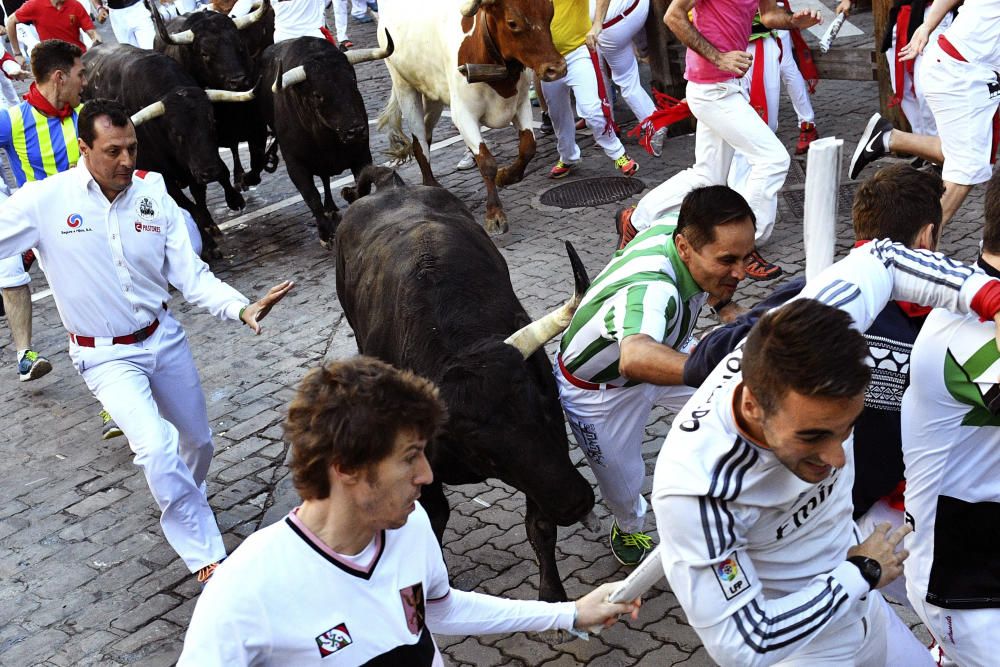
pixel 298 18
pixel 110 264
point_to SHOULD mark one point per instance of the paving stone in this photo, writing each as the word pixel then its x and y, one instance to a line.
pixel 473 652
pixel 32 647
pixel 524 648
pixel 152 608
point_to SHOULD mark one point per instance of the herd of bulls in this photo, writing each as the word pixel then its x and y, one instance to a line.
pixel 421 283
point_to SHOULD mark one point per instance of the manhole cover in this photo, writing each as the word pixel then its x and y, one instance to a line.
pixel 796 200
pixel 592 192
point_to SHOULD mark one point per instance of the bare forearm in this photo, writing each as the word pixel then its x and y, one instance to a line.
pixel 938 9
pixel 12 34
pixel 601 11
pixel 645 360
pixel 777 19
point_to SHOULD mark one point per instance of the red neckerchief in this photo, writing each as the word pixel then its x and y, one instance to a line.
pixel 37 100
pixel 911 309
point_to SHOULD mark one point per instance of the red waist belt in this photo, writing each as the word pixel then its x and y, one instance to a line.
pixel 577 382
pixel 950 49
pixel 130 339
pixel 625 13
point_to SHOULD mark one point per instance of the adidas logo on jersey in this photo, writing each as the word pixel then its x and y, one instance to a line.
pixel 333 640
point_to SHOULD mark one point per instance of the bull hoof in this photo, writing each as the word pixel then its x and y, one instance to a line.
pixel 496 223
pixel 349 193
pixel 250 180
pixel 235 201
pixel 327 245
pixel 209 254
pixel 271 165
pixel 214 230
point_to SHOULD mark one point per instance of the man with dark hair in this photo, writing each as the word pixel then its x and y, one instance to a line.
pixel 356 570
pixel 951 446
pixel 623 350
pixel 112 242
pixel 901 204
pixel 53 19
pixel 752 487
pixel 34 134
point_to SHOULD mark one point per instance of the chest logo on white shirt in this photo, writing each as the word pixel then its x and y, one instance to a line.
pixel 731 577
pixel 807 509
pixel 140 227
pixel 145 208
pixel 413 607
pixel 74 224
pixel 333 640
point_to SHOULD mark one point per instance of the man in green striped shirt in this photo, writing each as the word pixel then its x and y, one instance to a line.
pixel 623 352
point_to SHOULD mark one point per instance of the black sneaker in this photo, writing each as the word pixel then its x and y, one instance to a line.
pixel 871 145
pixel 546 127
pixel 759 269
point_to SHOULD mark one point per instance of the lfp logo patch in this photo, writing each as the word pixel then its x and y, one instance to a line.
pixel 731 576
pixel 74 220
pixel 333 640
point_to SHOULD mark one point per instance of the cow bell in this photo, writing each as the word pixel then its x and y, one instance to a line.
pixel 475 73
pixel 529 339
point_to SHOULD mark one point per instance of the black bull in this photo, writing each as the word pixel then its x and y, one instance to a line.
pixel 317 116
pixel 179 143
pixel 425 289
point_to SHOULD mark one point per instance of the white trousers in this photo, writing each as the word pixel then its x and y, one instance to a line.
pixel 914 104
pixel 8 95
pixel 341 8
pixel 615 46
pixel 881 640
pixel 726 123
pixel 581 78
pixel 964 97
pixel 153 392
pixel 795 84
pixel 609 425
pixel 769 52
pixel 966 635
pixel 12 273
pixel 133 25
pixel 27 38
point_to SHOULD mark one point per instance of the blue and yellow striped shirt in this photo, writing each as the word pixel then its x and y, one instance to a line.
pixel 38 145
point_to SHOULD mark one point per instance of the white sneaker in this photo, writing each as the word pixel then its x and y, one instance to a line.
pixel 467 162
pixel 656 143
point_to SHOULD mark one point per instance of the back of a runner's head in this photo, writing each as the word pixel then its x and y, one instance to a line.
pixel 53 55
pixel 704 209
pixel 991 230
pixel 348 413
pixel 897 203
pixel 806 347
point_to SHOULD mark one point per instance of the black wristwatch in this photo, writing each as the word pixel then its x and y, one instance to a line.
pixel 870 569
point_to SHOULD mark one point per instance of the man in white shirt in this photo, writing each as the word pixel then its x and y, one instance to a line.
pixel 355 573
pixel 299 18
pixel 951 448
pixel 752 488
pixel 112 242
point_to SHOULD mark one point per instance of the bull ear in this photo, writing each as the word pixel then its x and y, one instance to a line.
pixel 530 338
pixel 161 27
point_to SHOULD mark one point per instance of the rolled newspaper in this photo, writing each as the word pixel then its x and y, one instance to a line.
pixel 642 578
pixel 819 219
pixel 831 33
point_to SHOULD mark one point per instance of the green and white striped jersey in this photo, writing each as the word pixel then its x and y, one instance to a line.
pixel 646 289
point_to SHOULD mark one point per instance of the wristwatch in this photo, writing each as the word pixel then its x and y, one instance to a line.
pixel 870 569
pixel 717 308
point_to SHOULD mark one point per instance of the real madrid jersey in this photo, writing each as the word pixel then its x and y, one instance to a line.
pixel 951 448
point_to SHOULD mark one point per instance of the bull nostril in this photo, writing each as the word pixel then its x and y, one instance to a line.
pixel 553 72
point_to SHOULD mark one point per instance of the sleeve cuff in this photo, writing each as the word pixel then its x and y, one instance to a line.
pixel 850 578
pixel 233 310
pixel 566 614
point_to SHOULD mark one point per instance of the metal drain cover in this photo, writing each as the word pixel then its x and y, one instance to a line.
pixel 796 200
pixel 592 192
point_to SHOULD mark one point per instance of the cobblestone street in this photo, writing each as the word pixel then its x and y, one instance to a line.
pixel 87 577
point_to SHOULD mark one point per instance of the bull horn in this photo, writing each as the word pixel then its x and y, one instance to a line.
pixel 154 110
pixel 357 56
pixel 470 7
pixel 215 95
pixel 530 338
pixel 251 18
pixel 289 78
pixel 182 37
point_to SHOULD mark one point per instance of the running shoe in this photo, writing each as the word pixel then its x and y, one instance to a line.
pixel 629 548
pixel 109 429
pixel 561 169
pixel 758 268
pixel 807 135
pixel 467 162
pixel 871 145
pixel 656 141
pixel 27 259
pixel 627 165
pixel 205 573
pixel 546 127
pixel 31 366
pixel 623 225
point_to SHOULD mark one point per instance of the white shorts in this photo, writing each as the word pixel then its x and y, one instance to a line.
pixel 12 273
pixel 964 98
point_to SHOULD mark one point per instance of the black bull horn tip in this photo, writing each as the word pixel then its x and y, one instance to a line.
pixel 580 278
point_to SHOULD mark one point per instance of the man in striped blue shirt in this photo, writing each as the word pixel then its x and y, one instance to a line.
pixel 623 351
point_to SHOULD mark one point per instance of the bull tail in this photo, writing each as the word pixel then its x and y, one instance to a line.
pixel 391 120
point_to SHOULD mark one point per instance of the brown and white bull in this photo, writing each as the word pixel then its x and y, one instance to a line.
pixel 436 37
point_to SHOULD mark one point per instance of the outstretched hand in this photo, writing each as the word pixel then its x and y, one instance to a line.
pixel 258 310
pixel 917 43
pixel 805 18
pixel 593 609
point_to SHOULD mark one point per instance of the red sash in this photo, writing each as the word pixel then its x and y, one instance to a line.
pixel 609 121
pixel 902 21
pixel 669 110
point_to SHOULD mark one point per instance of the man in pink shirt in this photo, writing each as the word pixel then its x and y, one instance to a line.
pixel 717 39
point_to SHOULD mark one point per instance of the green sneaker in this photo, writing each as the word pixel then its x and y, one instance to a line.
pixel 629 548
pixel 109 429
